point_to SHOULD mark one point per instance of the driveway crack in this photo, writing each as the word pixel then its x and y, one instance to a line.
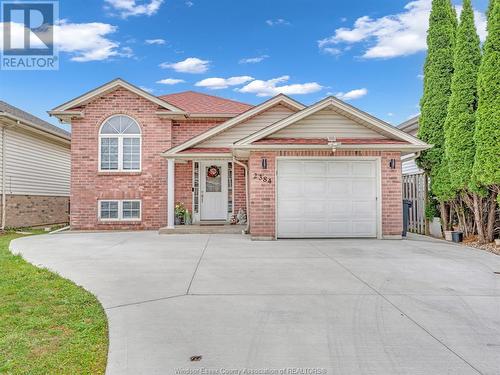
pixel 198 265
pixel 397 308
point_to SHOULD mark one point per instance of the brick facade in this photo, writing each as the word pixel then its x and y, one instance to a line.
pixel 88 185
pixel 187 129
pixel 263 193
pixel 35 210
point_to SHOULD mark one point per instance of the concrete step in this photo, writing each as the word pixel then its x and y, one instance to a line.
pixel 204 229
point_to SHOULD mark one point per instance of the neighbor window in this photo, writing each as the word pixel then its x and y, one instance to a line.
pixel 120 210
pixel 120 145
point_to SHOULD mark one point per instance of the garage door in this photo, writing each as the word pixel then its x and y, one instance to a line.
pixel 319 198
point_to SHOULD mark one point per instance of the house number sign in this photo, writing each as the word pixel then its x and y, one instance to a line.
pixel 261 177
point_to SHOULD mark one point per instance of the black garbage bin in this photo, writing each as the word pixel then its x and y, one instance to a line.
pixel 407 204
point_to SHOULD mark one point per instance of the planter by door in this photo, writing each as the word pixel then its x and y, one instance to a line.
pixel 213 190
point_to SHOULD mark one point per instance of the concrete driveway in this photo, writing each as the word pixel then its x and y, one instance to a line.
pixel 338 306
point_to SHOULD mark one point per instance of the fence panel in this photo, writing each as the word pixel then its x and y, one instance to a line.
pixel 415 190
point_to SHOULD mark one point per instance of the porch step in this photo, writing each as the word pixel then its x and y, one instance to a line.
pixel 204 229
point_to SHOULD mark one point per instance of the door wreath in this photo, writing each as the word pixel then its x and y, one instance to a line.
pixel 213 171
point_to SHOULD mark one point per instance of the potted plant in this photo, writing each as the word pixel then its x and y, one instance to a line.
pixel 180 212
pixel 187 217
pixel 432 214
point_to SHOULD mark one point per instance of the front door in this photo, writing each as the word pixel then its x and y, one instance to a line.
pixel 213 190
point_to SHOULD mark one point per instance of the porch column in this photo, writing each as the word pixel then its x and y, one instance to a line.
pixel 171 193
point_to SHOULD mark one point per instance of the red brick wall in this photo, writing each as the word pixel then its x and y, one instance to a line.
pixel 88 185
pixel 263 195
pixel 184 184
pixel 182 130
pixel 239 188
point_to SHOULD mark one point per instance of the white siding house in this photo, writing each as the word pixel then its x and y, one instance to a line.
pixel 408 161
pixel 35 168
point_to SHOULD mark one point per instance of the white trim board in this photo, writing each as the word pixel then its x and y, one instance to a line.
pixel 278 99
pixel 111 86
pixel 364 118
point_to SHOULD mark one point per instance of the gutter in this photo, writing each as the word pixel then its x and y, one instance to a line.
pixel 247 191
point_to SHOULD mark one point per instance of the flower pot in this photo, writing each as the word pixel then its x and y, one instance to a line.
pixel 179 220
pixel 447 235
pixel 457 236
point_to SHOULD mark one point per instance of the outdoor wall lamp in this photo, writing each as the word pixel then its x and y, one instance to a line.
pixel 264 163
pixel 392 163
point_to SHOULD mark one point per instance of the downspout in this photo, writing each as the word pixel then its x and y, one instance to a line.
pixel 247 191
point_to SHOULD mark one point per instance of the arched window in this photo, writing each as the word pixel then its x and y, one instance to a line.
pixel 120 144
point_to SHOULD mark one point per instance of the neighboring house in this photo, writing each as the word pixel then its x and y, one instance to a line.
pixel 409 165
pixel 326 170
pixel 34 170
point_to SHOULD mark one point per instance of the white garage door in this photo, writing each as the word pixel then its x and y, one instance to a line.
pixel 319 198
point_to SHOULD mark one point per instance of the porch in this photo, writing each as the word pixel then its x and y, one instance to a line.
pixel 222 228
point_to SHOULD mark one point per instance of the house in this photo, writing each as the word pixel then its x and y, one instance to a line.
pixel 34 170
pixel 325 170
pixel 408 161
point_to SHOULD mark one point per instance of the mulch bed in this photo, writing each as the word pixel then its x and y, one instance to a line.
pixel 472 242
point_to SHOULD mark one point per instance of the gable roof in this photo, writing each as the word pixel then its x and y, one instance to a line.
pixel 109 87
pixel 409 125
pixel 197 102
pixel 14 113
pixel 342 107
pixel 254 111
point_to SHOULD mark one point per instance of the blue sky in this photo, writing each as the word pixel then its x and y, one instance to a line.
pixel 370 53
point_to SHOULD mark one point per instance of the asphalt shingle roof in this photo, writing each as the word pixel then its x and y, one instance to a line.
pixel 197 102
pixel 30 119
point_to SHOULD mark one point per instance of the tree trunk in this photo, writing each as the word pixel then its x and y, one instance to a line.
pixel 444 215
pixel 478 217
pixel 492 213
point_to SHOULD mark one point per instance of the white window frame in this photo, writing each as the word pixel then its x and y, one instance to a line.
pixel 120 138
pixel 120 210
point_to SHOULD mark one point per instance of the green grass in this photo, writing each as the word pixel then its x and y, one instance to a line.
pixel 48 325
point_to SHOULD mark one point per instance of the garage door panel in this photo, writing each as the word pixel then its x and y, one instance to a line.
pixel 339 169
pixel 338 209
pixel 364 228
pixel 293 209
pixel 291 168
pixel 316 188
pixel 327 198
pixel 363 209
pixel 291 188
pixel 363 169
pixel 315 169
pixel 362 188
pixel 316 210
pixel 339 188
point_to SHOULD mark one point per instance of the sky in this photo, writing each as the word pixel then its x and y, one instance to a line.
pixel 369 53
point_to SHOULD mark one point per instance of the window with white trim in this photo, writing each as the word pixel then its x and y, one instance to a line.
pixel 119 210
pixel 120 145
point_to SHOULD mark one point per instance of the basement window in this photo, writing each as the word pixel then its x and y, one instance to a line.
pixel 119 210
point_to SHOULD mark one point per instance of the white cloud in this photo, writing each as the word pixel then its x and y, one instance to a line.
pixel 189 4
pixel 127 8
pixel 83 41
pixel 480 21
pixel 332 51
pixel 277 22
pixel 420 76
pixel 351 95
pixel 393 35
pixel 253 60
pixel 156 41
pixel 390 114
pixel 170 81
pixel 222 83
pixel 271 87
pixel 189 65
pixel 147 89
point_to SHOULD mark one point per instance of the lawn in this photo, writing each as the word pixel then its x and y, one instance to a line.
pixel 48 324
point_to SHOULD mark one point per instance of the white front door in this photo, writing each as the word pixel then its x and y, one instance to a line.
pixel 213 190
